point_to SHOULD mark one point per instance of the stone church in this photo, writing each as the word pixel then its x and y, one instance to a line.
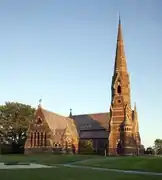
pixel 115 132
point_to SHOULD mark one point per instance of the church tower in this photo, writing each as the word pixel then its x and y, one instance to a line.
pixel 122 133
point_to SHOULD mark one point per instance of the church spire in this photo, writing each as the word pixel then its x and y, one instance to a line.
pixel 120 59
pixel 123 124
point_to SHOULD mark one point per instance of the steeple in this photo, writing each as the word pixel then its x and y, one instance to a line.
pixel 120 59
pixel 120 80
pixel 123 126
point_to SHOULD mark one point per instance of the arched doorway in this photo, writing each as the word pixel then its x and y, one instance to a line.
pixel 119 147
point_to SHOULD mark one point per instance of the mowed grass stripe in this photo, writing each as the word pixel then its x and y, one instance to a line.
pixel 46 159
pixel 151 164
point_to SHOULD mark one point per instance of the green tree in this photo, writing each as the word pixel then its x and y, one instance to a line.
pixel 14 120
pixel 158 146
pixel 86 146
pixel 149 150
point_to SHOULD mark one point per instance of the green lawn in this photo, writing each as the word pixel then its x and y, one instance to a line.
pixel 152 164
pixel 63 173
pixel 46 159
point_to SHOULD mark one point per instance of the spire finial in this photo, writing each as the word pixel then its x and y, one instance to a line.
pixel 135 109
pixel 135 112
pixel 119 38
pixel 119 17
pixel 70 115
pixel 40 101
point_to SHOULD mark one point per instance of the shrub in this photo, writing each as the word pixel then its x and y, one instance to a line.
pixel 86 146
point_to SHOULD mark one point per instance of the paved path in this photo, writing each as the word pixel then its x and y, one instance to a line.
pixel 112 170
pixel 80 161
pixel 19 166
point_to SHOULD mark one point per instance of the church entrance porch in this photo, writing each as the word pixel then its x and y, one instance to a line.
pixel 119 148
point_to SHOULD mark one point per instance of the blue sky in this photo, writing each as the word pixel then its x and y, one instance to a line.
pixel 63 52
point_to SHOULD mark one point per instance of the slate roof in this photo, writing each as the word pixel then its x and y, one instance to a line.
pixel 102 134
pixel 83 126
pixel 97 121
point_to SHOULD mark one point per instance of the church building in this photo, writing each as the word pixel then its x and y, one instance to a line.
pixel 115 132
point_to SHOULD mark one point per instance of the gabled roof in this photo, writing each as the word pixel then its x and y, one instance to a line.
pixel 57 122
pixel 97 121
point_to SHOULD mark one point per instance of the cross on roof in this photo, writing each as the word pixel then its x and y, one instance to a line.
pixel 40 101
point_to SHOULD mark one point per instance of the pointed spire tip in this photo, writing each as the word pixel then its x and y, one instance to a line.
pixel 119 17
pixel 70 112
pixel 120 59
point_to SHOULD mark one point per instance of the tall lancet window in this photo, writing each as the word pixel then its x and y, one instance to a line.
pixel 41 138
pixel 35 136
pixel 31 140
pixel 45 139
pixel 38 138
pixel 119 89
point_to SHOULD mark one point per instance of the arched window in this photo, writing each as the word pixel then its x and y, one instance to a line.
pixel 41 138
pixel 45 139
pixel 35 134
pixel 31 140
pixel 38 138
pixel 39 121
pixel 119 89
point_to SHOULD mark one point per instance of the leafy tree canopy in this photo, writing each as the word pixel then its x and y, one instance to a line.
pixel 158 146
pixel 14 120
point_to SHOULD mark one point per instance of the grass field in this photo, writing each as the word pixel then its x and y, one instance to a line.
pixel 65 173
pixel 69 174
pixel 48 159
pixel 151 164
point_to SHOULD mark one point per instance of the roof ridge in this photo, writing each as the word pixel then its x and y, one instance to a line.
pixel 53 112
pixel 66 117
pixel 91 114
